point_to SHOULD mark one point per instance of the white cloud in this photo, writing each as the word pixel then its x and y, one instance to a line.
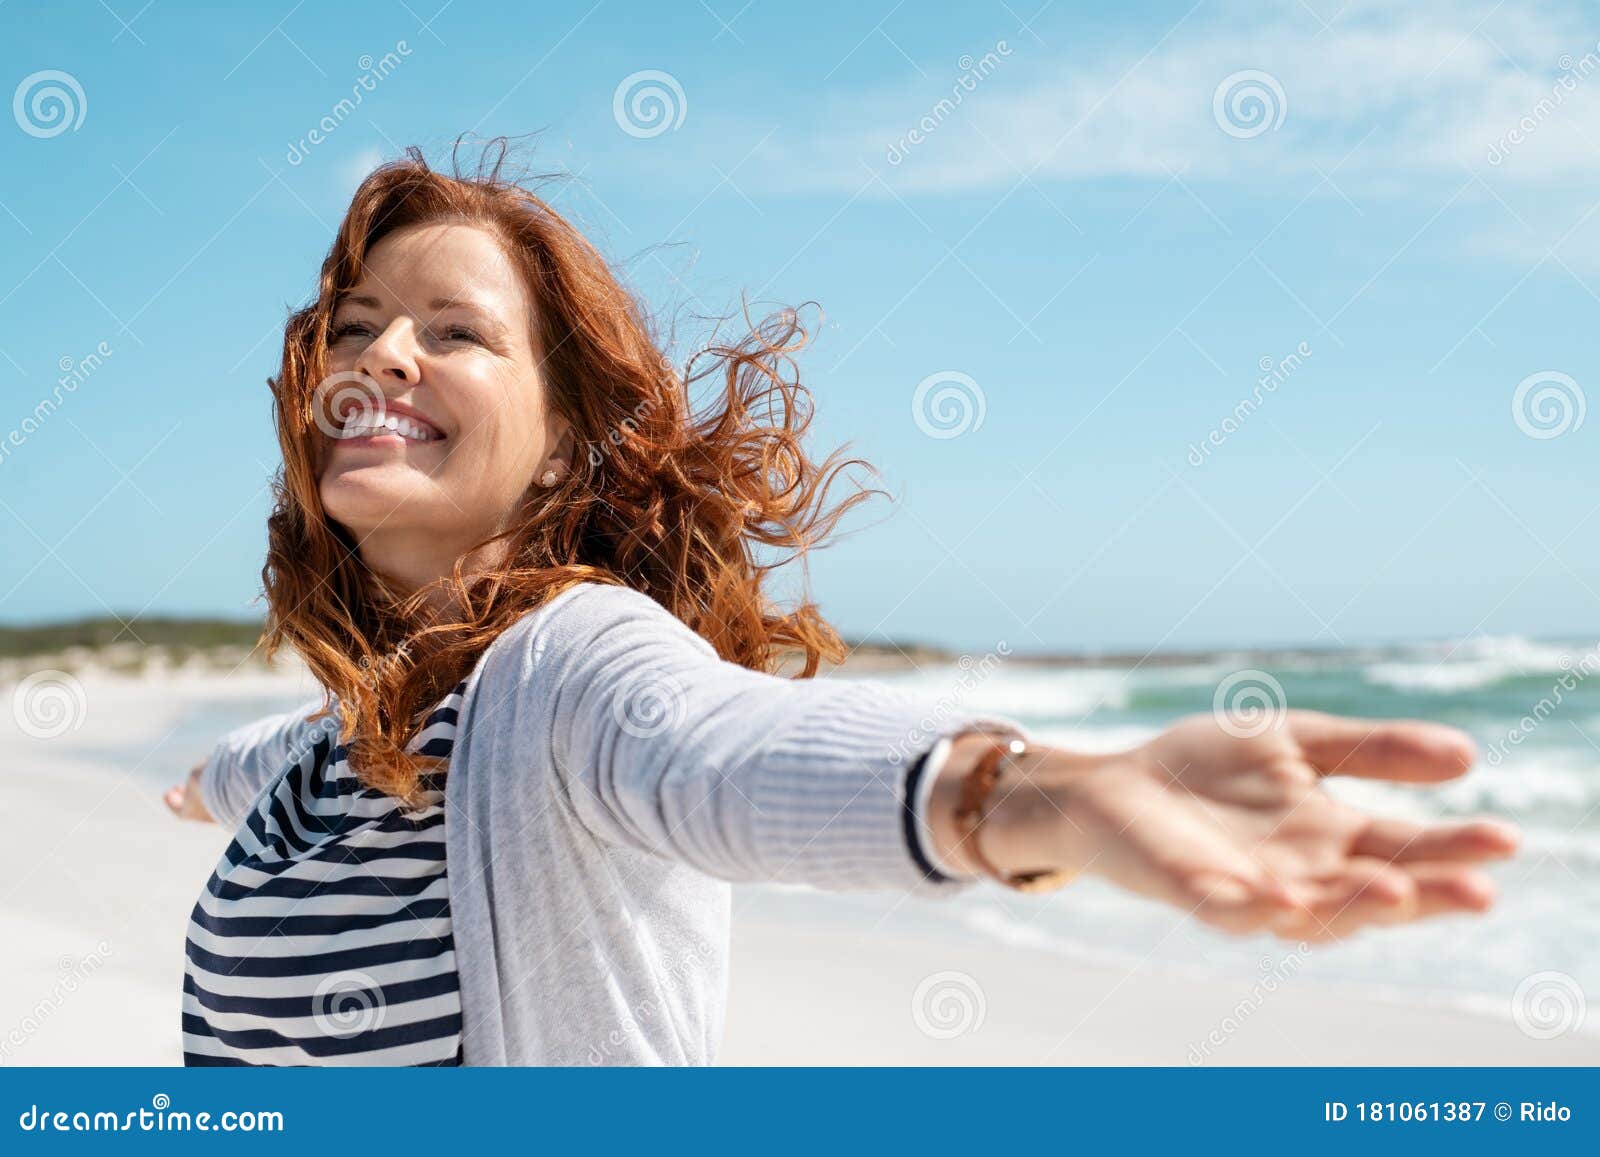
pixel 1387 96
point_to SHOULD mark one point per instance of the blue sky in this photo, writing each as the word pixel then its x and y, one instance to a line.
pixel 1096 248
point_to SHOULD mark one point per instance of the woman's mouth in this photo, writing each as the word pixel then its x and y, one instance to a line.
pixel 389 428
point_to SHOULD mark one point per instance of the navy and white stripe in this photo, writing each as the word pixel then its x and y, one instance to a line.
pixel 323 937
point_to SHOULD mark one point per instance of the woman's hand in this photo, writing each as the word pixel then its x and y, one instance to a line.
pixel 184 798
pixel 1238 829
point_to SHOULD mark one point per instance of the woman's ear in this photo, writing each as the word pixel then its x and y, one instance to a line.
pixel 558 463
pixel 566 451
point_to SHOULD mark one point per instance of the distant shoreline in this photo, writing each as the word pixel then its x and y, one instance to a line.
pixel 133 646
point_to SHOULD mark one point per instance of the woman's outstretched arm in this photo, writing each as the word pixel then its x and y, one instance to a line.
pixel 663 747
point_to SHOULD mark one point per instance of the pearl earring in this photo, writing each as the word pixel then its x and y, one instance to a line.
pixel 549 478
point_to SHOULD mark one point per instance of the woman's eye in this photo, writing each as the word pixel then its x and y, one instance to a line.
pixel 340 331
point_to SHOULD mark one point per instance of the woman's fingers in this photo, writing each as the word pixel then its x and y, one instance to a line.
pixel 1371 892
pixel 1399 841
pixel 1367 891
pixel 1447 888
pixel 1410 751
pixel 174 798
pixel 1238 904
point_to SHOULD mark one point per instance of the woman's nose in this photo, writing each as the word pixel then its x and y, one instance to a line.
pixel 390 356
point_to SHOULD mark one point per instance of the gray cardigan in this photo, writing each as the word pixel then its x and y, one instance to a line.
pixel 610 777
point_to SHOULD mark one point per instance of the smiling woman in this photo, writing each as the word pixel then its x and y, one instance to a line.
pixel 531 579
pixel 473 309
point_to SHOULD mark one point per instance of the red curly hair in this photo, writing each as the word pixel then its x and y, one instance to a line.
pixel 673 501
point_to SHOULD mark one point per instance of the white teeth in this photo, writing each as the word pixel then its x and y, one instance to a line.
pixel 389 424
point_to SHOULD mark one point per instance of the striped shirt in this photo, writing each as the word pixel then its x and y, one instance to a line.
pixel 323 937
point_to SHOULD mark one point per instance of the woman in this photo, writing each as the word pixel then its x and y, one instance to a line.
pixel 528 577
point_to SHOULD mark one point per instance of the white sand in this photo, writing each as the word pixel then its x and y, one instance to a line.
pixel 98 882
pixel 827 980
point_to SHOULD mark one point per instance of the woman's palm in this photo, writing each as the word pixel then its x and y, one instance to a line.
pixel 1238 828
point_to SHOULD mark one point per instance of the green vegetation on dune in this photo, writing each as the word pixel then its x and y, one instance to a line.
pixel 178 634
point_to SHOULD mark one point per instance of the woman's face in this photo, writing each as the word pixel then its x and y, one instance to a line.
pixel 441 323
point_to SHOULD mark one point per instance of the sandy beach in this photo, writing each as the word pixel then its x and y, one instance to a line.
pixel 100 879
pixel 787 1007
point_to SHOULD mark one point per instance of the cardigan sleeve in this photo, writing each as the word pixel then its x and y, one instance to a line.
pixel 919 833
pixel 664 747
pixel 248 758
